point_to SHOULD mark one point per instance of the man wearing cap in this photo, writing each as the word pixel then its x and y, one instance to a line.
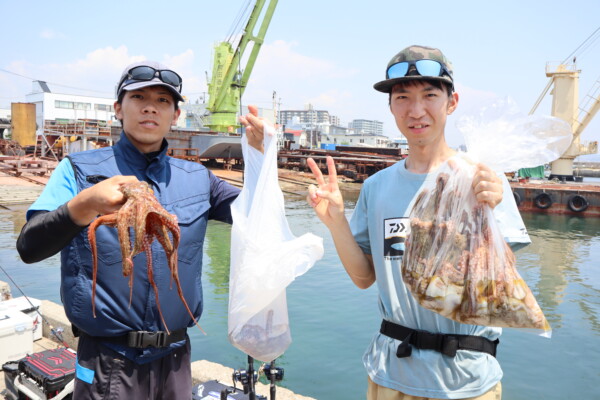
pixel 124 351
pixel 417 354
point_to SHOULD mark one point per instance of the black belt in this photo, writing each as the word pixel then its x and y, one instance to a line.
pixel 142 339
pixel 446 344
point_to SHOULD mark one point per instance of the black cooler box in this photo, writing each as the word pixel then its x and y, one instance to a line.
pixel 49 370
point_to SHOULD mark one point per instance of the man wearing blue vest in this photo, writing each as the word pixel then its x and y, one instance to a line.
pixel 124 352
pixel 417 354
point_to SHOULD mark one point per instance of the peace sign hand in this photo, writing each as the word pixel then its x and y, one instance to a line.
pixel 327 199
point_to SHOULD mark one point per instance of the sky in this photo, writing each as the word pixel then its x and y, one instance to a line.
pixel 327 53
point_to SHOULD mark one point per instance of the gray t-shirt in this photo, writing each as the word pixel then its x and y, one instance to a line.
pixel 378 222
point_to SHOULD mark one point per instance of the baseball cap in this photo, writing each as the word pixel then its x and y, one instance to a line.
pixel 150 73
pixel 411 55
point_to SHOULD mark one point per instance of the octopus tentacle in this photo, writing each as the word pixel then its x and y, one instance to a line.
pixel 109 220
pixel 159 231
pixel 148 219
pixel 147 249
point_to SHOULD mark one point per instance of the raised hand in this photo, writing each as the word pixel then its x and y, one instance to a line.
pixel 487 186
pixel 102 198
pixel 255 128
pixel 326 199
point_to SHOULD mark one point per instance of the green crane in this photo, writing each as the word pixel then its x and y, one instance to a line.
pixel 229 79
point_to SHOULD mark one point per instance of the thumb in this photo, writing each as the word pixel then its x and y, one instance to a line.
pixel 253 110
pixel 312 197
pixel 325 194
pixel 312 191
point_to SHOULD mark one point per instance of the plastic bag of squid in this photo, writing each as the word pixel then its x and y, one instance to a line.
pixel 456 261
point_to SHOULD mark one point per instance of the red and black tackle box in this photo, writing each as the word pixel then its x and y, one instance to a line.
pixel 51 369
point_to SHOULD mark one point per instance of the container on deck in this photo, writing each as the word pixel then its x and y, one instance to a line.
pixel 28 306
pixel 16 335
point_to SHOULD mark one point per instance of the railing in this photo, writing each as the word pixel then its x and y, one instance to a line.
pixel 560 68
pixel 79 128
pixel 588 148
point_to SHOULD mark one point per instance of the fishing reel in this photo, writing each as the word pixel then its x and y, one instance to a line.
pixel 273 373
pixel 243 376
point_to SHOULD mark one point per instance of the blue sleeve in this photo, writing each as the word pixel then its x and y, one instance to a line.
pixel 222 194
pixel 61 187
pixel 359 221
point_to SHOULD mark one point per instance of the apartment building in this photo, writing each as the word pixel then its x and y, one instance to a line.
pixel 366 127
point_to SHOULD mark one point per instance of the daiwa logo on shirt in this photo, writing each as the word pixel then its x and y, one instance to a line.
pixel 394 236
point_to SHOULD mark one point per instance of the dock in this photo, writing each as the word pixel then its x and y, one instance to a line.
pixel 202 370
pixel 354 165
pixel 571 198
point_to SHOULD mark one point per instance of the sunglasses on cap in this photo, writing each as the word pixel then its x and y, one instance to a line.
pixel 146 73
pixel 423 67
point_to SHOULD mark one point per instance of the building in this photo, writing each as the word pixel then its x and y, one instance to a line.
pixel 296 137
pixel 366 127
pixel 338 130
pixel 307 117
pixel 67 108
pixel 193 116
pixel 400 143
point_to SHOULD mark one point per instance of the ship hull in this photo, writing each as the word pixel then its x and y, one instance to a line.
pixel 570 198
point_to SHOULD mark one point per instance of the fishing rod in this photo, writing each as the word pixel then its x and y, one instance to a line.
pixel 274 374
pixel 249 377
pixel 57 332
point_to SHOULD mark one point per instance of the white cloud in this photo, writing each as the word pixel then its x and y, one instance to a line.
pixel 299 79
pixel 331 98
pixel 194 84
pixel 96 74
pixel 280 59
pixel 50 34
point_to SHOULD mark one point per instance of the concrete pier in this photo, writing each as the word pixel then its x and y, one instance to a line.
pixel 202 370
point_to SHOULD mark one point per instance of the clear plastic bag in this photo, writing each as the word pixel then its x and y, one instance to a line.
pixel 456 262
pixel 265 258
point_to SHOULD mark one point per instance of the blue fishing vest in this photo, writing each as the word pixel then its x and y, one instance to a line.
pixel 183 189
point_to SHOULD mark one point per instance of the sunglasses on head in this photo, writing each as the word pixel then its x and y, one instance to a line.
pixel 146 73
pixel 423 67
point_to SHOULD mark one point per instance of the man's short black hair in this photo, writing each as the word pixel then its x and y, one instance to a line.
pixel 446 87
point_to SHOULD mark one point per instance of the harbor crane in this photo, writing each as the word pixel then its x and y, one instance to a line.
pixel 564 79
pixel 231 70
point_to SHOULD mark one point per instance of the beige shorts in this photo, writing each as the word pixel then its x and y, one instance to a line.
pixel 376 392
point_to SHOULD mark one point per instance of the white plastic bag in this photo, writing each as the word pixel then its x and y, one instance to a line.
pixel 265 258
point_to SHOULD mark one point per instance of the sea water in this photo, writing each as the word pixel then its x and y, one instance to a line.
pixel 332 321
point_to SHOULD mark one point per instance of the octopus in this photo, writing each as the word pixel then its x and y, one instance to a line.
pixel 143 214
pixel 264 341
pixel 456 262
